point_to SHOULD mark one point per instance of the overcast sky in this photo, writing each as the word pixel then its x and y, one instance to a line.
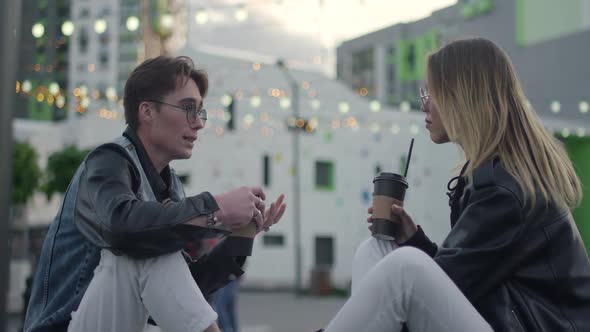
pixel 302 31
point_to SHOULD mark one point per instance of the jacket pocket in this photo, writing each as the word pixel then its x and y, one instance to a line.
pixel 517 323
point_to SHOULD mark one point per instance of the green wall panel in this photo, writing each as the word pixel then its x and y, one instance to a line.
pixel 579 151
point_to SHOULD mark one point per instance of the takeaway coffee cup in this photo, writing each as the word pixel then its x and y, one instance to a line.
pixel 240 241
pixel 387 187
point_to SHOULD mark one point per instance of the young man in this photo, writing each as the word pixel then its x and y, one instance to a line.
pixel 113 254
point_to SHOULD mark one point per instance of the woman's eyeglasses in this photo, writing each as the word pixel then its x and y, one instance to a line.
pixel 424 99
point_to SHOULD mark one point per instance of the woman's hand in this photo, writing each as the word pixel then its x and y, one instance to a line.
pixel 408 227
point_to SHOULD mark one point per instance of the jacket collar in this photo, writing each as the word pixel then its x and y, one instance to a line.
pixel 160 182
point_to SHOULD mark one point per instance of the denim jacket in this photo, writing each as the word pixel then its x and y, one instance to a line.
pixel 71 249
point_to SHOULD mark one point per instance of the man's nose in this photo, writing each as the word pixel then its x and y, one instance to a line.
pixel 198 124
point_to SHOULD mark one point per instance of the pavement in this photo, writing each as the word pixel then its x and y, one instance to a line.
pixel 285 312
pixel 268 312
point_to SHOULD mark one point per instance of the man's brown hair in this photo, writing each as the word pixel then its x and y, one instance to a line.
pixel 155 78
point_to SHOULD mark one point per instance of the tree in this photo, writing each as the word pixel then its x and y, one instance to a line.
pixel 26 172
pixel 61 167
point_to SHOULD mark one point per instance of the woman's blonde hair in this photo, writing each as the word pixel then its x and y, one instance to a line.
pixel 483 109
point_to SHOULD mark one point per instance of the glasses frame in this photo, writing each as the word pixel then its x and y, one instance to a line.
pixel 190 110
pixel 424 99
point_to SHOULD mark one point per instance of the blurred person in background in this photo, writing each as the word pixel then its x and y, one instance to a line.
pixel 113 256
pixel 225 306
pixel 514 259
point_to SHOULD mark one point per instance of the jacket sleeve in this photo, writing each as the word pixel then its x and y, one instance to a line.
pixel 110 214
pixel 217 268
pixel 481 249
pixel 421 241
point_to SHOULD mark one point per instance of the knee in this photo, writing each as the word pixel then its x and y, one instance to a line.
pixel 373 248
pixel 367 248
pixel 408 259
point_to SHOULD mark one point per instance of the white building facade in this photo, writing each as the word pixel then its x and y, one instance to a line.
pixel 352 139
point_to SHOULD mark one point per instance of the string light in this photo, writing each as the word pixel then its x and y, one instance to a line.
pixel 405 106
pixel 100 26
pixel 60 101
pixel 285 102
pixel 111 93
pixel 54 88
pixel 132 23
pixel 226 100
pixel 201 16
pixel 67 28
pixel 555 106
pixel 38 30
pixel 248 119
pixel 166 22
pixel 343 107
pixel 375 106
pixel 583 106
pixel 565 132
pixel 255 101
pixel 315 104
pixel 241 13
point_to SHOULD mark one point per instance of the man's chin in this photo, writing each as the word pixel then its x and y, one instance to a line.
pixel 185 155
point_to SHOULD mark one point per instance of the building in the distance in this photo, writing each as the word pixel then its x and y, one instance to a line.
pixel 42 72
pixel 548 42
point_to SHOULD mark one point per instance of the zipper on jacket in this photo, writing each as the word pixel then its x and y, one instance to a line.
pixel 517 320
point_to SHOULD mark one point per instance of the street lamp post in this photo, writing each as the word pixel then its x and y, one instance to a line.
pixel 9 22
pixel 296 175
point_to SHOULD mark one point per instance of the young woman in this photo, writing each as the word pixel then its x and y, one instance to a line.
pixel 514 260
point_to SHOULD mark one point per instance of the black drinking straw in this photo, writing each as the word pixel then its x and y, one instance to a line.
pixel 409 158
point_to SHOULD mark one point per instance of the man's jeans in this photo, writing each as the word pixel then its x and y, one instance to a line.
pixel 124 292
pixel 392 285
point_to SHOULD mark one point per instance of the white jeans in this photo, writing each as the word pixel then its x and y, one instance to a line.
pixel 124 291
pixel 392 285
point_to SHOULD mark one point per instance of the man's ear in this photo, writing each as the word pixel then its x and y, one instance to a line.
pixel 145 113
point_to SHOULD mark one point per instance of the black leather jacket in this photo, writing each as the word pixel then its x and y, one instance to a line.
pixel 110 215
pixel 523 267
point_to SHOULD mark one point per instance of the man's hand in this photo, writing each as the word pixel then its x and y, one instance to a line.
pixel 213 328
pixel 408 227
pixel 274 213
pixel 240 206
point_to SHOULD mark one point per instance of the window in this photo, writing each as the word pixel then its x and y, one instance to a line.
pixel 324 251
pixel 273 240
pixel 266 170
pixel 324 175
pixel 84 13
pixel 363 70
pixel 104 58
pixel 83 40
pixel 391 76
pixel 231 123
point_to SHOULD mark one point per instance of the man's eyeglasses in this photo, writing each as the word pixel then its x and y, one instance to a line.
pixel 424 100
pixel 191 111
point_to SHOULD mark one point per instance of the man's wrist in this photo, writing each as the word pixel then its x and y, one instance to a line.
pixel 211 220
